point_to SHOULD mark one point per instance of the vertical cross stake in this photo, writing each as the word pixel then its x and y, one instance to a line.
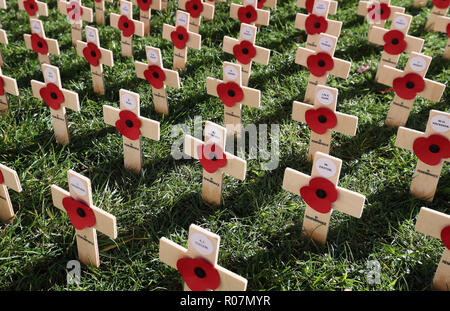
pixel 100 11
pixel 249 13
pixel 8 179
pixel 322 196
pixel 39 43
pixel 7 86
pixel 197 9
pixel 198 263
pixel 76 14
pixel 145 11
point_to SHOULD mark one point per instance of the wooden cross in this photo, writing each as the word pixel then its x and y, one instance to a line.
pixel 233 95
pixel 33 8
pixel 215 161
pixel 96 56
pixel 317 22
pixel 76 14
pixel 100 11
pixel 380 36
pixel 323 119
pixel 3 40
pixel 431 150
pixel 180 32
pixel 248 13
pixel 373 11
pixel 416 68
pixel 440 8
pixel 86 218
pixel 443 25
pixel 267 4
pixel 247 36
pixel 39 43
pixel 207 11
pixel 326 47
pixel 9 86
pixel 128 27
pixel 8 179
pixel 309 5
pixel 132 127
pixel 58 99
pixel 198 263
pixel 145 11
pixel 152 73
pixel 321 191
pixel 437 225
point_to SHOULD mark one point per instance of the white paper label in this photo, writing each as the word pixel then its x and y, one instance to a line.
pixel 417 63
pixel 320 7
pixel 125 8
pixel 50 75
pixel 325 97
pixel 231 73
pixel 325 167
pixel 247 33
pixel 78 186
pixel 213 133
pixel 326 44
pixel 152 56
pixel 128 101
pixel 181 19
pixel 440 123
pixel 201 243
pixel 36 27
pixel 90 35
pixel 400 22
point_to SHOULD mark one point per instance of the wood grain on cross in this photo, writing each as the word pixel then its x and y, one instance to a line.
pixel 247 33
pixel 426 176
pixel 3 40
pixel 443 25
pixel 9 86
pixel 262 16
pixel 202 244
pixel 327 45
pixel 305 4
pixel 106 57
pixel 193 41
pixel 214 147
pixel 371 11
pixel 76 14
pixel 33 8
pixel 127 23
pixel 207 12
pixel 145 11
pixel 132 145
pixel 321 9
pixel 440 8
pixel 80 193
pixel 69 100
pixel 320 116
pixel 8 179
pixel 326 170
pixel 99 9
pixel 169 78
pixel 418 64
pixel 400 22
pixel 37 29
pixel 437 225
pixel 233 111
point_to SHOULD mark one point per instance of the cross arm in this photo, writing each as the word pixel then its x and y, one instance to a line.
pixel 431 222
pixel 11 180
pixel 70 98
pixel 302 55
pixel 194 40
pixel 149 128
pixel 230 281
pixel 110 115
pixel 106 57
pixel 10 85
pixel 406 137
pixel 433 90
pixel 294 180
pixel 262 18
pixel 387 75
pixel 332 9
pixel 104 222
pixel 42 7
pixel 349 202
pixel 3 37
pixel 172 77
pixel 441 23
pixel 170 252
pixel 251 98
pixel 376 35
pixel 190 146
pixel 53 46
pixel 262 54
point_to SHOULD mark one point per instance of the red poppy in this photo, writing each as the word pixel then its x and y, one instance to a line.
pixel 31 7
pixel 244 52
pixel 230 93
pixel 394 42
pixel 74 11
pixel 179 37
pixel 441 4
pixel 38 44
pixel 431 150
pixel 194 8
pixel 383 13
pixel 247 14
pixel 144 5
pixel 448 30
pixel 320 63
pixel 319 194
pixel 2 87
pixel 309 6
pixel 52 95
pixel 129 125
pixel 92 54
pixel 126 25
pixel 198 274
pixel 445 237
pixel 155 76
pixel 98 1
pixel 320 120
pixel 315 24
pixel 261 4
pixel 80 215
pixel 211 157
pixel 2 180
pixel 408 86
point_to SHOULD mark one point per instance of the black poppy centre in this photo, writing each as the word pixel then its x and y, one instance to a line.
pixel 81 212
pixel 410 85
pixel 322 119
pixel 321 63
pixel 40 44
pixel 245 51
pixel 180 36
pixel 395 41
pixel 434 148
pixel 129 123
pixel 317 25
pixel 231 93
pixel 248 15
pixel 321 194
pixel 32 6
pixel 212 156
pixel 195 6
pixel 155 75
pixel 125 25
pixel 53 95
pixel 93 54
pixel 199 272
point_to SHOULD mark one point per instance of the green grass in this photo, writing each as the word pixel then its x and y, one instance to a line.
pixel 259 222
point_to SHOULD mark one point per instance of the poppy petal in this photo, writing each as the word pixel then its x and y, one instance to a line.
pixel 198 274
pixel 211 157
pixel 80 215
pixel 179 37
pixel 52 96
pixel 320 120
pixel 320 63
pixel 92 54
pixel 155 76
pixel 2 87
pixel 129 125
pixel 31 7
pixel 230 93
pixel 315 24
pixel 445 237
pixel 431 150
pixel 408 86
pixel 38 44
pixel 194 8
pixel 441 4
pixel 244 52
pixel 319 194
pixel 126 25
pixel 2 180
pixel 144 5
pixel 394 42
pixel 247 14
